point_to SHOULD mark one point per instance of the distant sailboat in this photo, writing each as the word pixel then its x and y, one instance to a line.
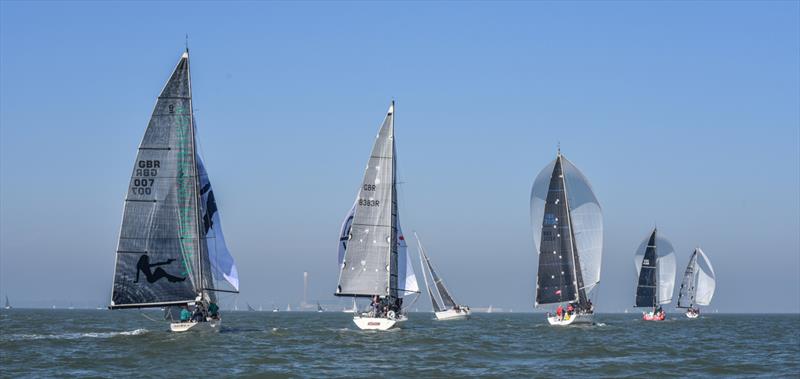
pixel 444 306
pixel 354 309
pixel 288 307
pixel 8 305
pixel 568 234
pixel 489 310
pixel 249 308
pixel 319 308
pixel 373 260
pixel 698 284
pixel 171 251
pixel 655 265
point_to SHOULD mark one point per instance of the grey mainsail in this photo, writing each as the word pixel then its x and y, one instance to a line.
pixel 687 291
pixel 162 253
pixel 370 262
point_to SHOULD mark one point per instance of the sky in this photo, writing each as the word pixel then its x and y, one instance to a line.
pixel 682 115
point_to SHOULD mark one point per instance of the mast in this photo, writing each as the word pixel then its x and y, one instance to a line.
pixel 393 256
pixel 196 182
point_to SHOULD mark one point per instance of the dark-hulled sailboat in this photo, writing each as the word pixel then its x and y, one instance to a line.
pixel 442 301
pixel 171 251
pixel 655 266
pixel 373 259
pixel 568 234
pixel 698 284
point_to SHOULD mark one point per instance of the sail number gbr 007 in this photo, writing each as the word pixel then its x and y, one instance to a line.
pixel 142 183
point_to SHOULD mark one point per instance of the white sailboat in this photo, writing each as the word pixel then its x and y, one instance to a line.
pixel 8 305
pixel 373 259
pixel 444 306
pixel 568 234
pixel 171 251
pixel 698 284
pixel 353 309
pixel 655 266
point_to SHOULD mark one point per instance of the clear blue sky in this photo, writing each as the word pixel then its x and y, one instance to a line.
pixel 683 114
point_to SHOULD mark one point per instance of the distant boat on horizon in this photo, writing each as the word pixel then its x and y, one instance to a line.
pixel 249 308
pixel 8 304
pixel 698 284
pixel 319 308
pixel 448 309
pixel 171 252
pixel 655 267
pixel 568 234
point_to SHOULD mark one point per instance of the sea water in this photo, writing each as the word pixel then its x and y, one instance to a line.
pixel 128 343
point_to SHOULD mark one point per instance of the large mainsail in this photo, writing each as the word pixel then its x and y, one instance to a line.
pixel 568 233
pixel 162 253
pixel 698 284
pixel 370 262
pixel 655 265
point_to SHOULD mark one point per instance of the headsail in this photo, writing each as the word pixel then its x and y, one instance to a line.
pixel 370 264
pixel 220 259
pixel 568 233
pixel 158 254
pixel 655 265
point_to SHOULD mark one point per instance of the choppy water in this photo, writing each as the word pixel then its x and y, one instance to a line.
pixel 42 343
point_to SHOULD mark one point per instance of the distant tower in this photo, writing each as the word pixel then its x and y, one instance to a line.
pixel 305 288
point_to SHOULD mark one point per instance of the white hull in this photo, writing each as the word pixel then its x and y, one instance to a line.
pixel 692 315
pixel 583 318
pixel 452 314
pixel 377 323
pixel 209 326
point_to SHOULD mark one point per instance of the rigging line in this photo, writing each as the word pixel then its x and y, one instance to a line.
pixel 148 317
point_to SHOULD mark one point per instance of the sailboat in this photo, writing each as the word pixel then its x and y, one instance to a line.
pixel 171 251
pixel 445 307
pixel 288 307
pixel 490 309
pixel 354 309
pixel 698 284
pixel 568 234
pixel 655 265
pixel 373 259
pixel 249 308
pixel 319 308
pixel 8 305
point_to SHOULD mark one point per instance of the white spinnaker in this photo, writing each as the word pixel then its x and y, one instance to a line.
pixel 666 266
pixel 706 282
pixel 587 223
pixel 220 257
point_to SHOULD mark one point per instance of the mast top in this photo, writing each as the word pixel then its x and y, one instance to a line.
pixel 391 107
pixel 558 146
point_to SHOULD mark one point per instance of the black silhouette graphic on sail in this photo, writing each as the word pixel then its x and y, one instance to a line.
pixel 144 266
pixel 211 207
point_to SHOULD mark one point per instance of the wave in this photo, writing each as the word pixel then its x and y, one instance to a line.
pixel 74 336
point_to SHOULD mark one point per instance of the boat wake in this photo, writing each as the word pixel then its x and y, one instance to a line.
pixel 74 336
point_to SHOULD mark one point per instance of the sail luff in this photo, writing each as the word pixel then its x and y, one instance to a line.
pixel 393 252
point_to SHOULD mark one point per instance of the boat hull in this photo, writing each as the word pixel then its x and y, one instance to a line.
pixel 452 314
pixel 583 318
pixel 692 315
pixel 209 326
pixel 377 323
pixel 653 317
